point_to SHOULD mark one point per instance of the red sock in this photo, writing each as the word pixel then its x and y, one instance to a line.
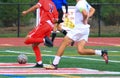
pixel 33 40
pixel 37 53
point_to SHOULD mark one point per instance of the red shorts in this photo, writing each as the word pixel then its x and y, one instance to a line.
pixel 41 31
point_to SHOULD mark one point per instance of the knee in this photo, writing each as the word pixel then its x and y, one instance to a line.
pixel 81 51
pixel 26 40
pixel 35 44
pixel 59 27
pixel 66 41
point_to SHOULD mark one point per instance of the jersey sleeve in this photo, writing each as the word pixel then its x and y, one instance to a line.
pixel 40 3
pixel 81 6
pixel 88 5
pixel 65 2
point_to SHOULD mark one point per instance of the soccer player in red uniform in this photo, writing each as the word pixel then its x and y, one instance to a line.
pixel 48 16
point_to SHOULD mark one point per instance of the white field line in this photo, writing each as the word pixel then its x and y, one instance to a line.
pixel 10 51
pixel 6 45
pixel 64 56
pixel 59 72
pixel 75 77
pixel 111 44
pixel 91 59
pixel 114 51
pixel 46 51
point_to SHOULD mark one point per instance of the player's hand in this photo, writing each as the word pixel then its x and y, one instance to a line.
pixel 66 14
pixel 85 21
pixel 55 21
pixel 24 13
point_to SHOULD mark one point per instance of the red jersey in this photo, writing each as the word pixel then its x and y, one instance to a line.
pixel 48 11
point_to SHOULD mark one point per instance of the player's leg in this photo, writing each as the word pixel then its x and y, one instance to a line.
pixel 48 42
pixel 60 11
pixel 34 36
pixel 56 25
pixel 64 32
pixel 53 36
pixel 37 54
pixel 44 32
pixel 59 27
pixel 31 40
pixel 66 41
pixel 37 35
pixel 84 51
pixel 83 38
pixel 72 43
pixel 54 32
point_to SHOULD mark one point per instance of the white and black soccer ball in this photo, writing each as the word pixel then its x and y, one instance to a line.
pixel 22 59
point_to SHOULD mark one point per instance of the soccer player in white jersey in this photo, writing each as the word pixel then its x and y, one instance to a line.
pixel 80 33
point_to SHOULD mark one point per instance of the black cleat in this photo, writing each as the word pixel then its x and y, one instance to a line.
pixel 105 56
pixel 72 43
pixel 38 65
pixel 48 42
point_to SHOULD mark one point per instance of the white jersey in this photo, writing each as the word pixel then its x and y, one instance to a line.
pixel 80 31
pixel 81 5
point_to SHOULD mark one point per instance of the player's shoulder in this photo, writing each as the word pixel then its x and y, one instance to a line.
pixel 44 1
pixel 81 3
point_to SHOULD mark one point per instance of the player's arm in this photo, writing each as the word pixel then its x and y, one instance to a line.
pixel 91 12
pixel 66 7
pixel 33 8
pixel 86 16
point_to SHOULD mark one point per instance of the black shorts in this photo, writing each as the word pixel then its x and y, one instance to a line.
pixel 60 16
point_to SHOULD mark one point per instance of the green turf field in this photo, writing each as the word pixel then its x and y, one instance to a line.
pixel 71 59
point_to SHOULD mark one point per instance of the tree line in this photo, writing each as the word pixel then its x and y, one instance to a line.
pixel 9 13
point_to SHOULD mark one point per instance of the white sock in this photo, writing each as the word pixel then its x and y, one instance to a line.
pixel 40 62
pixel 98 52
pixel 43 40
pixel 56 60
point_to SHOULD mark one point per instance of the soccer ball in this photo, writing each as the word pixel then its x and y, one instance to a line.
pixel 22 59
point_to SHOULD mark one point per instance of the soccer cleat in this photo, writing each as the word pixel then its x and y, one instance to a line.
pixel 51 67
pixel 105 56
pixel 38 65
pixel 48 42
pixel 72 43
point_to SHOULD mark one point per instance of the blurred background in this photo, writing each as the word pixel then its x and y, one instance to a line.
pixel 104 23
